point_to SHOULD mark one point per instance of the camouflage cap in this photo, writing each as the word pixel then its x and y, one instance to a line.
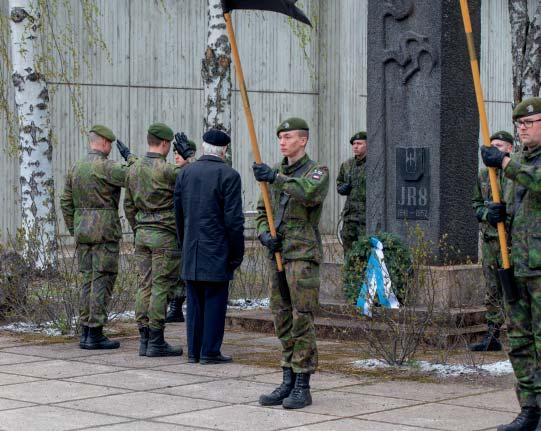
pixel 161 131
pixel 104 132
pixel 359 136
pixel 293 123
pixel 527 107
pixel 502 135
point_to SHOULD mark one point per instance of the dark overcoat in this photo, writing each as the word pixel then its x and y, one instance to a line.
pixel 210 221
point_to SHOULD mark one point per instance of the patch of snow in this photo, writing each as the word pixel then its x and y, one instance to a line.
pixel 46 328
pixel 125 315
pixel 248 304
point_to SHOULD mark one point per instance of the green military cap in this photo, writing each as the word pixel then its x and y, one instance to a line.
pixel 293 123
pixel 191 145
pixel 359 136
pixel 161 131
pixel 502 135
pixel 104 132
pixel 527 107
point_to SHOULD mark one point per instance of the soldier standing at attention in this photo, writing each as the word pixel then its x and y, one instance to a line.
pixel 351 182
pixel 149 209
pixel 491 260
pixel 523 303
pixel 90 208
pixel 298 187
pixel 178 296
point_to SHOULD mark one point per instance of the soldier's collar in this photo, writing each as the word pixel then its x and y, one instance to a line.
pixel 152 155
pixel 98 152
pixel 533 153
pixel 289 169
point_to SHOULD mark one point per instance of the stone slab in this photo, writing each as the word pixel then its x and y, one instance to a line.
pixel 57 369
pixel 223 370
pixel 241 417
pixel 143 426
pixel 10 379
pixel 51 391
pixel 10 358
pixel 356 425
pixel 57 351
pixel 141 405
pixel 505 401
pixel 141 380
pixel 6 404
pixel 444 417
pixel 50 418
pixel 131 360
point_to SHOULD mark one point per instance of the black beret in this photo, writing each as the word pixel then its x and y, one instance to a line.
pixel 217 138
pixel 502 135
pixel 360 136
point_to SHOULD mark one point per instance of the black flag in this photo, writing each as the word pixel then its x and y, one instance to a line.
pixel 287 7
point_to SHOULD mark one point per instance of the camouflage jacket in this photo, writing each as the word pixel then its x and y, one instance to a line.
pixel 525 202
pixel 297 197
pixel 91 198
pixel 150 184
pixel 482 195
pixel 353 171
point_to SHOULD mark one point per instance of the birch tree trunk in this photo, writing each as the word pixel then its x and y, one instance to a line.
pixel 35 159
pixel 216 73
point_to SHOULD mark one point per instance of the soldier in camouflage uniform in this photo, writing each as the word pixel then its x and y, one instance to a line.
pixel 298 187
pixel 90 208
pixel 178 295
pixel 491 257
pixel 351 182
pixel 523 305
pixel 149 209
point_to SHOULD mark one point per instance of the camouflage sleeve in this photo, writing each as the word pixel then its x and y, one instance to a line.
pixel 261 223
pixel 171 171
pixel 310 190
pixel 527 176
pixel 116 172
pixel 478 201
pixel 341 179
pixel 129 208
pixel 66 203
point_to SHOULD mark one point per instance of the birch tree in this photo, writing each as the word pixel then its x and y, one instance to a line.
pixel 35 155
pixel 216 73
pixel 526 49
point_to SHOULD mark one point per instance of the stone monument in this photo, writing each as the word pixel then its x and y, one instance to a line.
pixel 423 125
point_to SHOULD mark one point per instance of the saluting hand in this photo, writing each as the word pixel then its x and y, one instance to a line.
pixel 123 150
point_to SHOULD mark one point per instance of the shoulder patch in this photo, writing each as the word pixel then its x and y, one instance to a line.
pixel 318 173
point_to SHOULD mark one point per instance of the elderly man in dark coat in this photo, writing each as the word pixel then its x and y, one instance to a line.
pixel 210 226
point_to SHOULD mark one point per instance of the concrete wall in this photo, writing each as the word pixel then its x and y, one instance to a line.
pixel 155 76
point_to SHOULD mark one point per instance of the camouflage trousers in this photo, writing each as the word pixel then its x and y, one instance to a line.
pixel 493 294
pixel 179 291
pixel 294 318
pixel 351 231
pixel 524 334
pixel 158 266
pixel 98 264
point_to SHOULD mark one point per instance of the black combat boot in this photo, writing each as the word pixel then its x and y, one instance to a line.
pixel 299 396
pixel 276 397
pixel 490 342
pixel 157 346
pixel 175 313
pixel 143 340
pixel 97 341
pixel 83 337
pixel 526 421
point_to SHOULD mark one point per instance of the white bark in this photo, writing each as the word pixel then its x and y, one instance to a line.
pixel 35 160
pixel 216 72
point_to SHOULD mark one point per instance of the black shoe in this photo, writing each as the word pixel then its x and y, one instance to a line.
pixel 157 346
pixel 175 313
pixel 276 397
pixel 490 342
pixel 97 341
pixel 193 360
pixel 527 420
pixel 299 396
pixel 143 340
pixel 83 337
pixel 220 359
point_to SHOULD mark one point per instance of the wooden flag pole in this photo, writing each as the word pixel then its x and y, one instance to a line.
pixel 495 189
pixel 253 137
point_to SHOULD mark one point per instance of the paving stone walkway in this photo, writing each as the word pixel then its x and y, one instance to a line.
pixel 60 387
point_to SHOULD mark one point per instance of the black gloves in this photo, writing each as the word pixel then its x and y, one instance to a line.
pixel 273 244
pixel 182 147
pixel 264 173
pixel 123 150
pixel 492 157
pixel 496 213
pixel 344 189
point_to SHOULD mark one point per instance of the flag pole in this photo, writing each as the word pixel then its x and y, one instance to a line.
pixel 495 189
pixel 251 128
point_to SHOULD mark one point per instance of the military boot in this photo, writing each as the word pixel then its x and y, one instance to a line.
pixel 97 341
pixel 276 397
pixel 157 346
pixel 143 340
pixel 83 337
pixel 175 313
pixel 490 342
pixel 527 420
pixel 299 396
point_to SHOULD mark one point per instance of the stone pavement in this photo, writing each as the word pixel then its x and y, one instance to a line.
pixel 54 387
